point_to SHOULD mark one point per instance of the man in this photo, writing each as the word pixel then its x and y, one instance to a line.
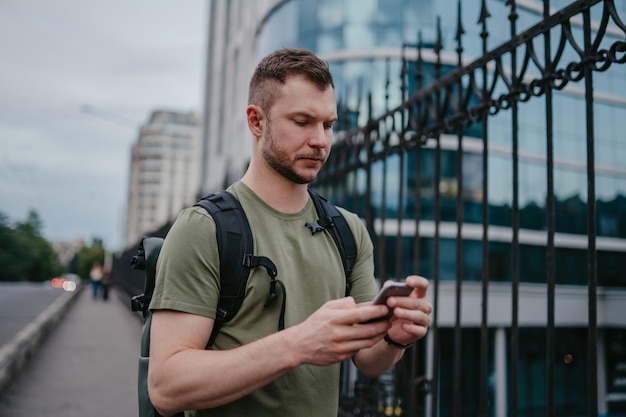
pixel 253 369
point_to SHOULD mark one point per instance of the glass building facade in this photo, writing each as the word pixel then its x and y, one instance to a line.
pixel 369 44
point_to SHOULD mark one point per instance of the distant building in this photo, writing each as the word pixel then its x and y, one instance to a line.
pixel 67 250
pixel 164 172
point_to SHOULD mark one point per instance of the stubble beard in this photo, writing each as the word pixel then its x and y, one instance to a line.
pixel 283 165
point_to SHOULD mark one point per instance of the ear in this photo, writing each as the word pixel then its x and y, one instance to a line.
pixel 256 120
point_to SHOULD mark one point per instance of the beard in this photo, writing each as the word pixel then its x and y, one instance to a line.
pixel 283 164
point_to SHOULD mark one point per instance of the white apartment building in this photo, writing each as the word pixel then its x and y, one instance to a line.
pixel 164 172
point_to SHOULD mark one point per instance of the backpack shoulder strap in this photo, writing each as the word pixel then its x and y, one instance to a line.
pixel 234 242
pixel 145 260
pixel 236 248
pixel 332 220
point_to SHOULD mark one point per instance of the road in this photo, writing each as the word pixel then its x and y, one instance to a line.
pixel 20 303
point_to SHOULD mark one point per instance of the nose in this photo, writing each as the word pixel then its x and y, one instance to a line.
pixel 320 136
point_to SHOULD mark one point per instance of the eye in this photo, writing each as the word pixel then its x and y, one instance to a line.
pixel 328 126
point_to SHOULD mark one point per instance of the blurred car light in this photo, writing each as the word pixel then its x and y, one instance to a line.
pixel 69 285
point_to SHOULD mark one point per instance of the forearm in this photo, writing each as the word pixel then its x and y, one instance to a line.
pixel 199 379
pixel 185 376
pixel 377 359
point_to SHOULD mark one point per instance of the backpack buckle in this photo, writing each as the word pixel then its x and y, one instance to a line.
pixel 137 302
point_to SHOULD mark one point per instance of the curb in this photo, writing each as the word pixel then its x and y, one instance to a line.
pixel 15 354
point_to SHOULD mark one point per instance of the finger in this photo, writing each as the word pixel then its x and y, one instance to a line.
pixel 408 303
pixel 412 316
pixel 346 312
pixel 419 283
pixel 416 330
pixel 370 313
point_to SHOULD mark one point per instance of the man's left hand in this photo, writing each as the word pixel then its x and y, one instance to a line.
pixel 411 315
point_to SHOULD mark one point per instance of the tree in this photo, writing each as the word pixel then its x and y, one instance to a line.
pixel 13 254
pixel 24 254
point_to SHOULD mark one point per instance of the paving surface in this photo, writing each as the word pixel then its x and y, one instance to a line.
pixel 86 367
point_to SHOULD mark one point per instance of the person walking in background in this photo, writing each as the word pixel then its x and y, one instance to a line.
pixel 106 282
pixel 95 276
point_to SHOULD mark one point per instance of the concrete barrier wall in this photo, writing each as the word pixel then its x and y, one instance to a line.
pixel 15 354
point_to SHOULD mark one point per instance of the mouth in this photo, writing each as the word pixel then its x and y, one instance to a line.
pixel 312 162
pixel 313 158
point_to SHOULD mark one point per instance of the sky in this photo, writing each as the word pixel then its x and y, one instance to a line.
pixel 78 79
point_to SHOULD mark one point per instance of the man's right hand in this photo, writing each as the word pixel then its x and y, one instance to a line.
pixel 336 331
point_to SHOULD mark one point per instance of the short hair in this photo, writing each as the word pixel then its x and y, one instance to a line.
pixel 275 68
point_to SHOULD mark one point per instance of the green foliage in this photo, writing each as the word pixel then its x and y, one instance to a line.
pixel 24 254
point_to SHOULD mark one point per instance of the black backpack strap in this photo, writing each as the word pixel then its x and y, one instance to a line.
pixel 236 248
pixel 145 260
pixel 332 220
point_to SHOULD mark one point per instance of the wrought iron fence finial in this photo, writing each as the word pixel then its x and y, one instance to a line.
pixel 484 13
pixel 459 24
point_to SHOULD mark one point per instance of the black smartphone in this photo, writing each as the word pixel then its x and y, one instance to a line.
pixel 395 289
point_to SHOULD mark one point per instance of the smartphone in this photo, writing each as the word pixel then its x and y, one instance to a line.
pixel 395 289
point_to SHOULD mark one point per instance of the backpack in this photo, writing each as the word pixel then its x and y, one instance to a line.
pixel 235 248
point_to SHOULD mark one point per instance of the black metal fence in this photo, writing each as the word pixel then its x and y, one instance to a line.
pixel 392 170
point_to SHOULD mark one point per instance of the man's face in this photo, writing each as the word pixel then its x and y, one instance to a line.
pixel 298 133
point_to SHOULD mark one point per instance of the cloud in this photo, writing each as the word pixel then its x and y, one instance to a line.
pixel 123 60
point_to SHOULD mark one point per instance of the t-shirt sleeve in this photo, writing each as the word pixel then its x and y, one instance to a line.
pixel 187 274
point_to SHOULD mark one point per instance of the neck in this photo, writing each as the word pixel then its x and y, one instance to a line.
pixel 277 192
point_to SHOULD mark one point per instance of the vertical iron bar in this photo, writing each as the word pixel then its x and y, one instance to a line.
pixel 484 330
pixel 419 78
pixel 400 218
pixel 592 337
pixel 437 217
pixel 384 271
pixel 436 251
pixel 417 216
pixel 458 358
pixel 384 275
pixel 409 385
pixel 388 132
pixel 550 330
pixel 387 82
pixel 417 248
pixel 369 215
pixel 515 222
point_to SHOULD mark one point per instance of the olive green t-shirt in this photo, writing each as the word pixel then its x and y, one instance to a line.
pixel 308 264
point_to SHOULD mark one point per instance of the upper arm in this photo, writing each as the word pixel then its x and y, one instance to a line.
pixel 173 331
pixel 176 340
pixel 188 274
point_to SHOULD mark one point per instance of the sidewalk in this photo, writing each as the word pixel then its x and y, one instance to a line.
pixel 86 367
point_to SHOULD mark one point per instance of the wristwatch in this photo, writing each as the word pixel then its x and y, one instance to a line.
pixel 392 343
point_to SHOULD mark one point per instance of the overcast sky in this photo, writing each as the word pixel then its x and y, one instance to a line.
pixel 120 58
